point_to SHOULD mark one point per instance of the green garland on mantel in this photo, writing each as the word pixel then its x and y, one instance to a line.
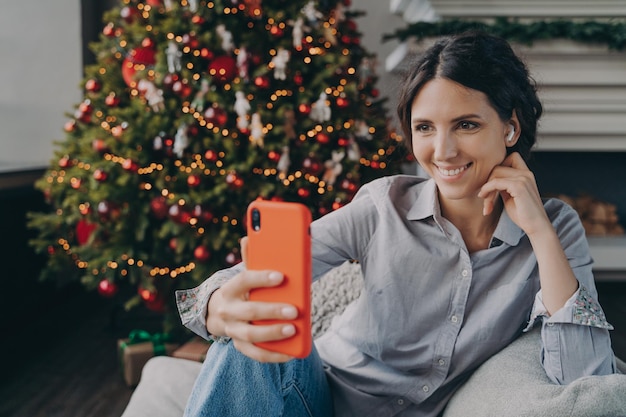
pixel 610 33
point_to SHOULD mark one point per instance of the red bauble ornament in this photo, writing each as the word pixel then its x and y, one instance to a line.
pixel 154 3
pixel 93 85
pixel 276 31
pixel 112 100
pixel 84 229
pixel 197 20
pixel 129 13
pixel 298 78
pixel 173 244
pixel 343 141
pixel 130 165
pixel 312 165
pixel 374 164
pixel 304 108
pixel 375 93
pixel 182 88
pixel 202 214
pixel 75 183
pixel 349 186
pixel 193 180
pixel 273 156
pixel 159 208
pixel 216 116
pixel 234 180
pixel 210 155
pixel 342 102
pixel 170 79
pixel 99 145
pixel 65 162
pixel 223 69
pixel 109 30
pixel 70 126
pixel 322 138
pixel 304 192
pixel 233 258
pixel 107 288
pixel 140 56
pixel 190 40
pixel 206 53
pixel 153 300
pixel 337 204
pixel 100 175
pixel 262 81
pixel 201 253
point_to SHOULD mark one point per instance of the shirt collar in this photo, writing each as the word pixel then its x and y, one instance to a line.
pixel 427 205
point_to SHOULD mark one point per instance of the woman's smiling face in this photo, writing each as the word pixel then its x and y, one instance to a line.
pixel 457 136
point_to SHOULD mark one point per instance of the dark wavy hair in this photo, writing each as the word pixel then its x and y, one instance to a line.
pixel 481 62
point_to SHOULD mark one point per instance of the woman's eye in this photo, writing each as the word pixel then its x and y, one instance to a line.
pixel 467 125
pixel 422 128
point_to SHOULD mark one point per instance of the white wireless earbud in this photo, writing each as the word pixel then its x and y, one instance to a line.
pixel 511 134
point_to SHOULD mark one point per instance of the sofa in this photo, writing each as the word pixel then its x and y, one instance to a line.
pixel 510 384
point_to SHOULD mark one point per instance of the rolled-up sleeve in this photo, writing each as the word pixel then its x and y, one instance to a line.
pixel 576 339
pixel 193 303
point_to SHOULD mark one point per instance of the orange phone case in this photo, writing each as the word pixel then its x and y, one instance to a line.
pixel 279 239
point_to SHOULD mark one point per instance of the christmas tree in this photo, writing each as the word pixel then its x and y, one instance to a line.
pixel 192 110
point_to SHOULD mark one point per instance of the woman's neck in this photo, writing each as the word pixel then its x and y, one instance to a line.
pixel 476 229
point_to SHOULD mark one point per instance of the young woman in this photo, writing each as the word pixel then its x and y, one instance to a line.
pixel 455 267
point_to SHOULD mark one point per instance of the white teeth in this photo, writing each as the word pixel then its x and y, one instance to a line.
pixel 452 172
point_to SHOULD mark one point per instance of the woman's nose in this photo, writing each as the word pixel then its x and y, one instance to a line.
pixel 445 146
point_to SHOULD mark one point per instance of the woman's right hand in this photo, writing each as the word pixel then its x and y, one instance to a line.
pixel 230 313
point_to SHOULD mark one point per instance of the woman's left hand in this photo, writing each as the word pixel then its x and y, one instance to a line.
pixel 516 184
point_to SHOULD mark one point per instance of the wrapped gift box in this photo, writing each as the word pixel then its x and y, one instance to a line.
pixel 194 350
pixel 135 351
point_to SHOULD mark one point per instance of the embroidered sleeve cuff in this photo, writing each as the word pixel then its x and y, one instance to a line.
pixel 192 304
pixel 581 308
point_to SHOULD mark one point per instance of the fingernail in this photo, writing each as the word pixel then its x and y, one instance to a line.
pixel 289 330
pixel 289 312
pixel 275 276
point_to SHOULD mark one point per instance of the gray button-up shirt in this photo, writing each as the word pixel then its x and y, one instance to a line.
pixel 430 312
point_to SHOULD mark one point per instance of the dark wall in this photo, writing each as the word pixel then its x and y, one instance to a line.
pixel 22 296
pixel 598 174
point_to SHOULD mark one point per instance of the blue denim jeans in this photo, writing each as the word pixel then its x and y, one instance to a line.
pixel 232 385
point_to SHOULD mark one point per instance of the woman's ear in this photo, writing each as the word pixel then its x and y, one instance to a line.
pixel 512 133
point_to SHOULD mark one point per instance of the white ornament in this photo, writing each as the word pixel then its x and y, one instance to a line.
pixel 333 167
pixel 226 36
pixel 311 13
pixel 321 110
pixel 256 130
pixel 173 57
pixel 198 100
pixel 298 33
pixel 193 5
pixel 284 162
pixel 354 152
pixel 279 62
pixel 181 141
pixel 243 63
pixel 242 107
pixel 362 130
pixel 153 95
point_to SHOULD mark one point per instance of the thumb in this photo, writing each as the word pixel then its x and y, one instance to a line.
pixel 244 249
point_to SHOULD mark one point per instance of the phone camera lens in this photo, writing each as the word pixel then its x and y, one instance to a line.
pixel 256 219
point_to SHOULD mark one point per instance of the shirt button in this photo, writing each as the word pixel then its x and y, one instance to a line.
pixel 454 319
pixel 425 388
pixel 442 362
pixel 465 272
pixel 400 401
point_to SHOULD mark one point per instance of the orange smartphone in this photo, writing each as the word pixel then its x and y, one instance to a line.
pixel 279 240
